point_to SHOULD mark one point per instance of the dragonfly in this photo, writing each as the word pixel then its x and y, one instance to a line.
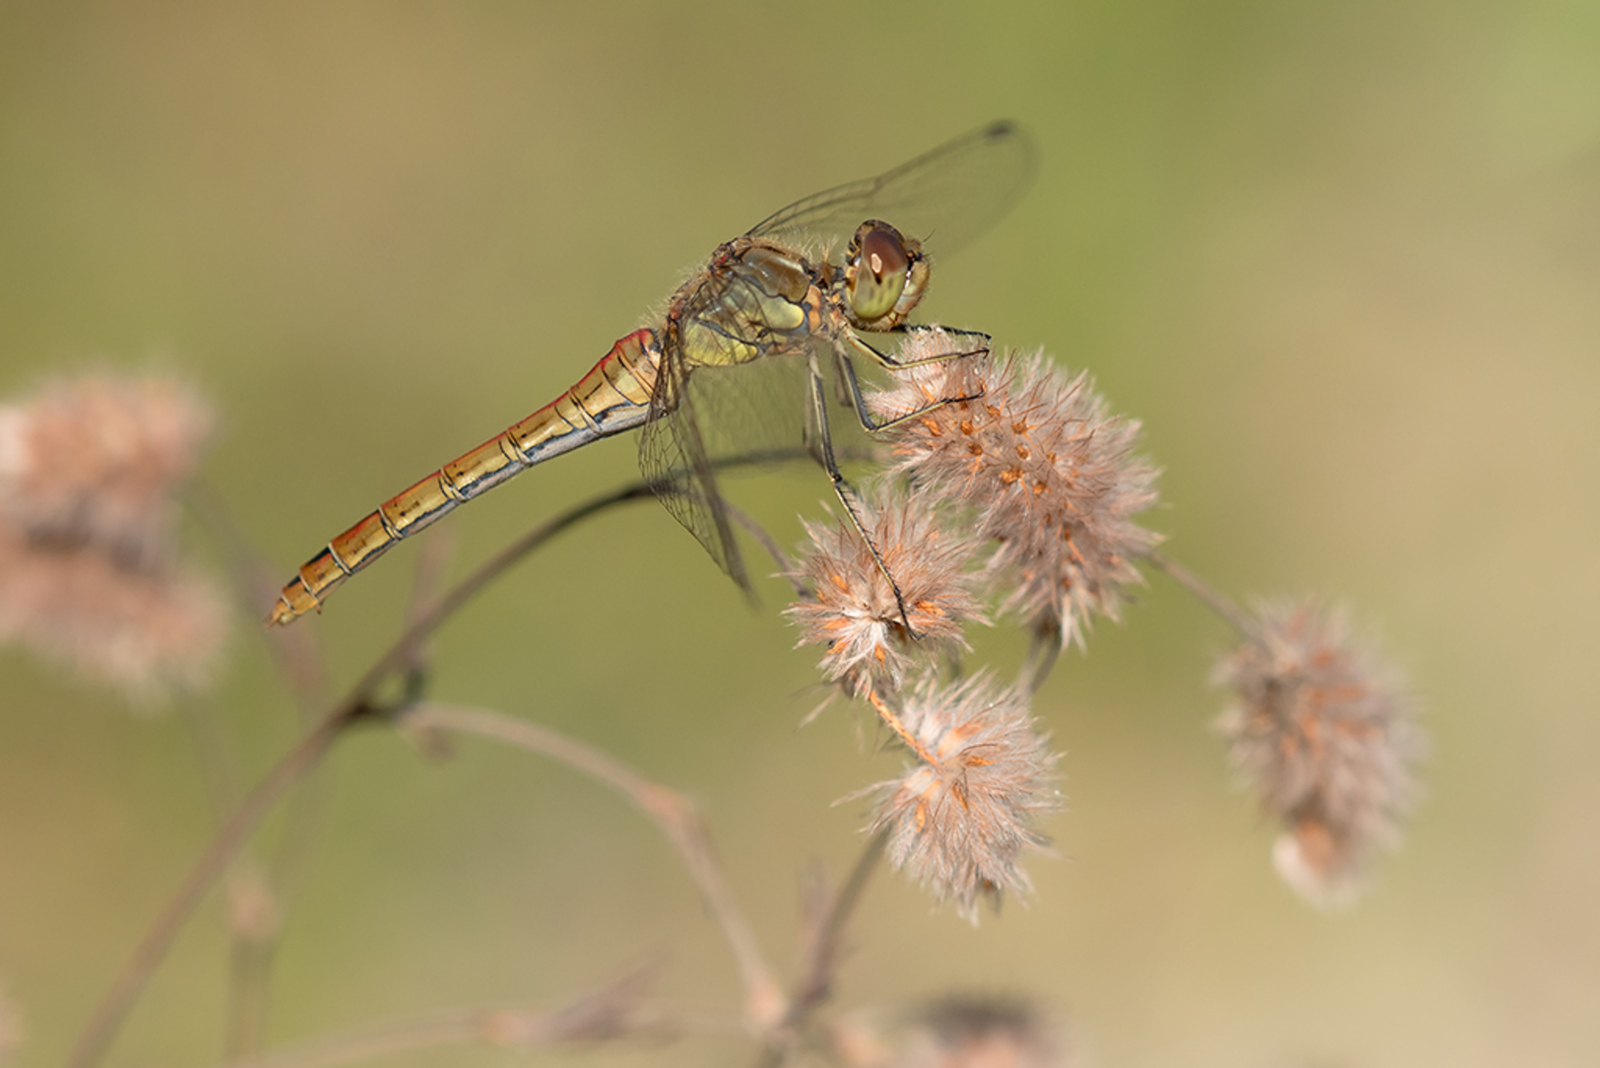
pixel 768 315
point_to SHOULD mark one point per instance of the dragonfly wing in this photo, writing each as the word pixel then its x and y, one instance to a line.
pixel 719 417
pixel 754 412
pixel 676 466
pixel 949 195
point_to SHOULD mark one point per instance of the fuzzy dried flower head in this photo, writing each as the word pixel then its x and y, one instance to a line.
pixel 144 632
pixel 99 458
pixel 983 1031
pixel 853 610
pixel 1326 739
pixel 1051 473
pixel 959 821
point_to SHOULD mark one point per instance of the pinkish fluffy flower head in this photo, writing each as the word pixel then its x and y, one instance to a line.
pixel 959 822
pixel 90 469
pixel 1051 473
pixel 100 458
pixel 853 609
pixel 145 633
pixel 1327 741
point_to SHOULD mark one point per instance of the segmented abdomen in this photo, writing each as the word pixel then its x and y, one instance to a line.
pixel 613 397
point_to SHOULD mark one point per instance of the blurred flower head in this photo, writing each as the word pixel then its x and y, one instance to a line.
pixel 853 611
pixel 1328 741
pixel 1051 473
pixel 958 822
pixel 145 634
pixel 99 458
pixel 90 469
pixel 975 1031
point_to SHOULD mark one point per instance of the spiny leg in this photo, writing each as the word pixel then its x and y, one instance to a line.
pixel 858 402
pixel 896 363
pixel 846 493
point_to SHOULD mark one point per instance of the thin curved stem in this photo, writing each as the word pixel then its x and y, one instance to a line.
pixel 822 958
pixel 767 542
pixel 1208 594
pixel 104 1022
pixel 252 908
pixel 669 810
pixel 823 950
pixel 894 723
pixel 113 1008
pixel 610 1012
pixel 124 991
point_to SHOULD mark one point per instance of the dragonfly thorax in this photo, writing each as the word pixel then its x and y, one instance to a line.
pixel 755 299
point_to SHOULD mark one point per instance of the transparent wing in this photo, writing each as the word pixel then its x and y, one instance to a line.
pixel 712 418
pixel 674 462
pixel 949 195
pixel 757 411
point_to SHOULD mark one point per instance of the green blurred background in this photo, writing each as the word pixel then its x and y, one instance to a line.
pixel 1343 259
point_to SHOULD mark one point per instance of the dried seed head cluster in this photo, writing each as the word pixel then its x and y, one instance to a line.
pixel 853 610
pixel 959 820
pixel 97 458
pixel 1327 741
pixel 1051 473
pixel 974 1031
pixel 89 472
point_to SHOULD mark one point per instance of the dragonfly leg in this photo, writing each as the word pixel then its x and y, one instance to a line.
pixel 846 493
pixel 980 347
pixel 858 402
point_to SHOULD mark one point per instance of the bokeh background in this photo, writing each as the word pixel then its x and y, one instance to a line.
pixel 1342 258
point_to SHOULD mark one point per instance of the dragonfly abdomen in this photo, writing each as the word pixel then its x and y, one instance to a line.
pixel 613 397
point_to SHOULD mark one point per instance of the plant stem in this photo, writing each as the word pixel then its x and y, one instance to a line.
pixel 669 810
pixel 1208 594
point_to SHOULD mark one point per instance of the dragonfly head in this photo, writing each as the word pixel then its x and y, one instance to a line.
pixel 884 276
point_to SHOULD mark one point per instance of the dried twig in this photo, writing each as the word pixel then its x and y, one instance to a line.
pixel 675 814
pixel 1208 594
pixel 609 1013
pixel 822 952
pixel 358 704
pixel 103 1024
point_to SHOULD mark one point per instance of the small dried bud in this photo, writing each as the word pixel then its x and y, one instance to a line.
pixel 853 611
pixel 969 1031
pixel 958 822
pixel 1328 742
pixel 1051 473
pixel 255 914
pixel 99 459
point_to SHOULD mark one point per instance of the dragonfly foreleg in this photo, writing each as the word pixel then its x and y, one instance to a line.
pixel 980 347
pixel 845 492
pixel 847 371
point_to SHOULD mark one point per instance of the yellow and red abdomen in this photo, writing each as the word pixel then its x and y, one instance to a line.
pixel 613 397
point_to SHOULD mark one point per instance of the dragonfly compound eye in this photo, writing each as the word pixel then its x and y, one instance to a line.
pixel 878 271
